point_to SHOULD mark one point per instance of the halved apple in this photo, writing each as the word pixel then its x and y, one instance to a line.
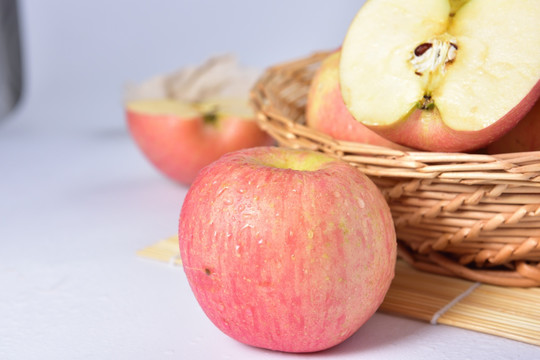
pixel 183 121
pixel 180 138
pixel 442 75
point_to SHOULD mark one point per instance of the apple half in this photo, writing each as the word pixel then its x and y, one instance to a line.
pixel 183 121
pixel 180 138
pixel 442 75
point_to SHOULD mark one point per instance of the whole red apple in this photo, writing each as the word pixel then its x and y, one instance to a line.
pixel 442 75
pixel 326 111
pixel 180 138
pixel 287 250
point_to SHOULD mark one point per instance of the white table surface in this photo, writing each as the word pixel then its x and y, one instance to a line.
pixel 77 200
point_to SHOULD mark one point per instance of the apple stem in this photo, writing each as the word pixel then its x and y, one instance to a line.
pixel 426 103
pixel 210 117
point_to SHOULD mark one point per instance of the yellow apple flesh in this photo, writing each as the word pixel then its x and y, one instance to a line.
pixel 442 75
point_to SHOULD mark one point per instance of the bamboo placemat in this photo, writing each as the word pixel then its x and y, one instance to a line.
pixel 503 311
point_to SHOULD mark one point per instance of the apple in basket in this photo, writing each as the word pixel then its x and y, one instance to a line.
pixel 289 250
pixel 442 75
pixel 525 136
pixel 326 111
pixel 186 120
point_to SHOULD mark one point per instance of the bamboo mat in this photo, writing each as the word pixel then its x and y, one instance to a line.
pixel 507 312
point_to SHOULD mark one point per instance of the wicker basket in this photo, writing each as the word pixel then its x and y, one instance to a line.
pixel 473 216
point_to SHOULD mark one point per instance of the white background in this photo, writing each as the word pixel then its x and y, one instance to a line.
pixel 77 199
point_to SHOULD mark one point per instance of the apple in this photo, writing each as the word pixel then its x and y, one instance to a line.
pixel 525 136
pixel 442 75
pixel 327 113
pixel 180 138
pixel 289 250
pixel 184 120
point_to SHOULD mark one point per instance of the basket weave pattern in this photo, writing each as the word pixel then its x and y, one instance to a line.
pixel 473 216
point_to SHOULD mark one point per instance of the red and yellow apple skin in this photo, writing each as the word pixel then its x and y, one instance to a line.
pixel 288 250
pixel 525 136
pixel 181 146
pixel 425 130
pixel 326 111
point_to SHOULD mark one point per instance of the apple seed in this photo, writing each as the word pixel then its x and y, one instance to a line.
pixel 422 48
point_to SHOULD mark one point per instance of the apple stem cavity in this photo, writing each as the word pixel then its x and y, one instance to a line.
pixel 210 117
pixel 426 103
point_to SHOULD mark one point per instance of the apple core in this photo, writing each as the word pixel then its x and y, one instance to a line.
pixel 433 56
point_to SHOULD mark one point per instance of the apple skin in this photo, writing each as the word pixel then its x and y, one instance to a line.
pixel 425 130
pixel 283 258
pixel 326 111
pixel 180 147
pixel 525 136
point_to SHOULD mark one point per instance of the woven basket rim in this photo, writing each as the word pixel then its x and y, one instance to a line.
pixel 518 166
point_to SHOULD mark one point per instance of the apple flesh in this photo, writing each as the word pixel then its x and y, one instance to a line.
pixel 180 138
pixel 326 111
pixel 442 75
pixel 525 136
pixel 288 250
